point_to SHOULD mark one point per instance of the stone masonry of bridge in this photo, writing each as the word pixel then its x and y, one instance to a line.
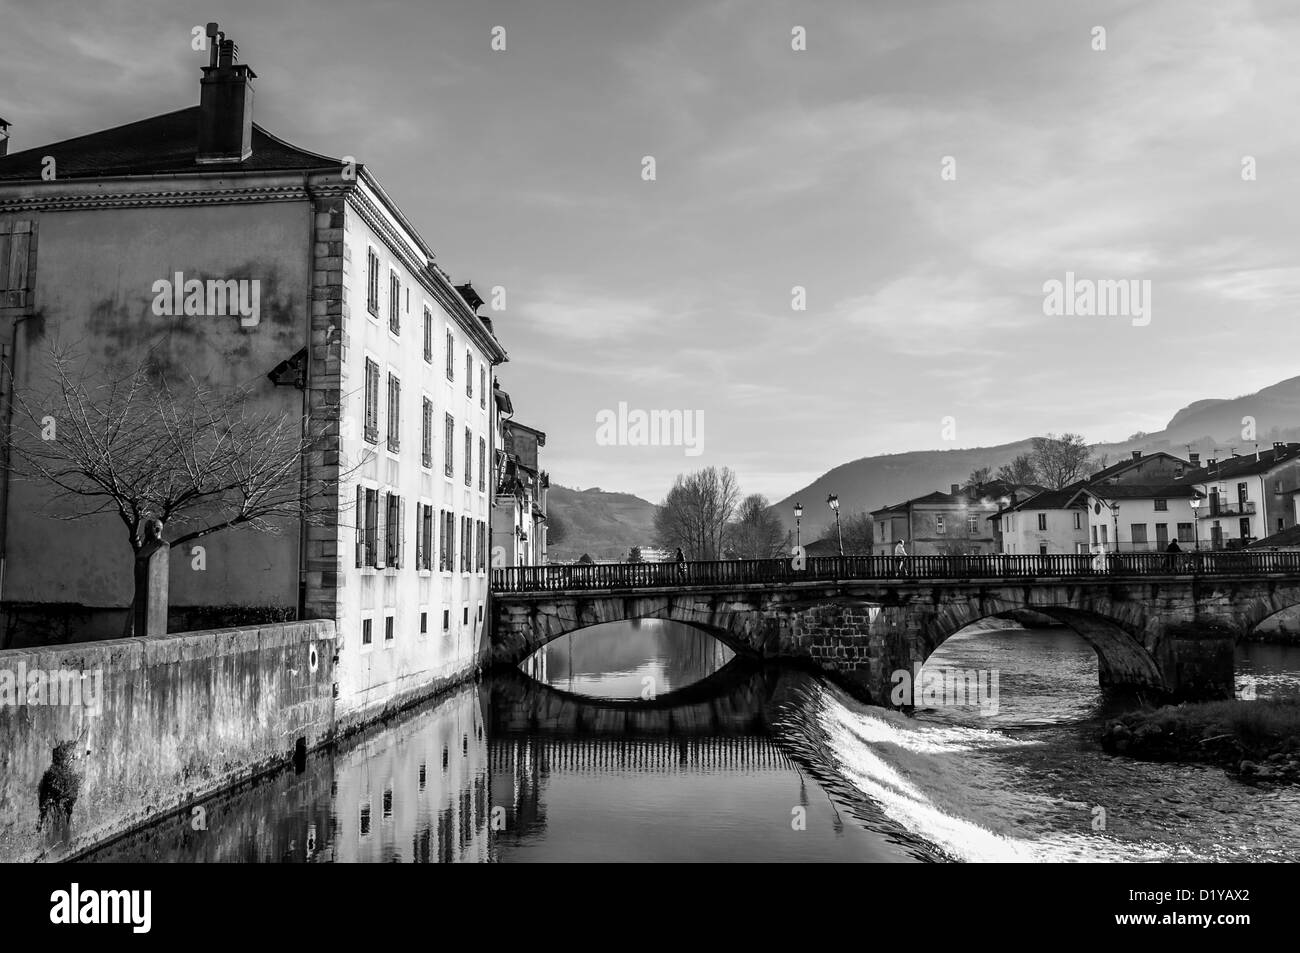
pixel 1169 636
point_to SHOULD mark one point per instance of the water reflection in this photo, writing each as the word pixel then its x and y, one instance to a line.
pixel 514 770
pixel 642 658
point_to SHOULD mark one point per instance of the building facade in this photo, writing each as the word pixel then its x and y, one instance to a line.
pixel 357 333
pixel 1247 496
pixel 519 505
pixel 938 524
pixel 1053 521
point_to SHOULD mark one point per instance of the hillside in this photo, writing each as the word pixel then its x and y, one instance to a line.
pixel 1209 426
pixel 605 525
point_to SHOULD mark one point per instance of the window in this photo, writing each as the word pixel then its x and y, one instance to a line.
pixel 1162 535
pixel 395 538
pixel 449 440
pixel 372 282
pixel 1242 495
pixel 372 401
pixel 426 432
pixel 394 413
pixel 469 456
pixel 1042 521
pixel 1186 534
pixel 428 336
pixel 1138 533
pixel 424 630
pixel 1094 536
pixel 939 527
pixel 465 616
pixel 1162 506
pixel 1277 487
pixel 388 629
pixel 482 464
pixel 1104 528
pixel 424 537
pixel 446 627
pixel 367 632
pixel 1042 549
pixel 482 546
pixel 451 361
pixel 466 545
pixel 367 525
pixel 1078 521
pixel 1280 527
pixel 394 303
pixel 1245 527
pixel 482 389
pixel 972 526
pixel 469 374
pixel 447 554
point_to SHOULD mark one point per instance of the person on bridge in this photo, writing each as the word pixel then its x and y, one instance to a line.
pixel 900 551
pixel 1172 561
pixel 681 562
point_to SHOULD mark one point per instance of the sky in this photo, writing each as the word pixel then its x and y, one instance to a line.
pixel 829 168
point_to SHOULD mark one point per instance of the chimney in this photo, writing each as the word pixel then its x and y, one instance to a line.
pixel 1137 454
pixel 955 488
pixel 225 104
pixel 1209 464
pixel 4 137
pixel 1194 459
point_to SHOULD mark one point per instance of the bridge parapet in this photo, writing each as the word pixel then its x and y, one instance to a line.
pixel 740 572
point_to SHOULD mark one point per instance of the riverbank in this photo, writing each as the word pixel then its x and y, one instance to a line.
pixel 1257 741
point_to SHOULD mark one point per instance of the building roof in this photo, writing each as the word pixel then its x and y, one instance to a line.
pixel 822 547
pixel 1247 464
pixel 1064 498
pixel 159 145
pixel 986 493
pixel 1127 464
pixel 1142 491
pixel 1284 539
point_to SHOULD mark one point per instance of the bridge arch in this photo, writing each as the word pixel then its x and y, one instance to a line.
pixel 1122 658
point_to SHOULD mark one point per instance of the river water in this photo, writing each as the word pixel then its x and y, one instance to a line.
pixel 648 741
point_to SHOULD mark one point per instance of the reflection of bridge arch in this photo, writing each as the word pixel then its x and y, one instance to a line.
pixel 659 755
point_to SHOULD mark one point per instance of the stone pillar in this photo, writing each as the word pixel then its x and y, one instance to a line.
pixel 1198 661
pixel 151 582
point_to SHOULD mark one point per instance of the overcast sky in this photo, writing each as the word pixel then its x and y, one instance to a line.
pixel 776 168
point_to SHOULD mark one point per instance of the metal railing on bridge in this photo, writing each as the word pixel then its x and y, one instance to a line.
pixel 740 572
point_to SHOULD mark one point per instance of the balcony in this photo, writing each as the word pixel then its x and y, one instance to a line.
pixel 1224 509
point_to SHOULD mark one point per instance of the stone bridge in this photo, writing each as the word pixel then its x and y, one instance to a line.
pixel 1164 624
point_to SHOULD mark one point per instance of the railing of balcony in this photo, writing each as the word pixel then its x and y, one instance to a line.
pixel 740 572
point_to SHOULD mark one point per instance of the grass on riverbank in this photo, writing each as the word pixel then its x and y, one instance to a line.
pixel 1258 740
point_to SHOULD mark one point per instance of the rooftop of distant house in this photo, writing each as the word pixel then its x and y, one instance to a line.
pixel 993 491
pixel 1247 464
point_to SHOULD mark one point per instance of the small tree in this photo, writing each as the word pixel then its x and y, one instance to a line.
pixel 634 555
pixel 858 535
pixel 142 445
pixel 697 512
pixel 979 476
pixel 1019 471
pixel 757 532
pixel 1059 461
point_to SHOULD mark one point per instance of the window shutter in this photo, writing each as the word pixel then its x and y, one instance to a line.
pixel 361 526
pixel 381 535
pixel 419 536
pixel 401 532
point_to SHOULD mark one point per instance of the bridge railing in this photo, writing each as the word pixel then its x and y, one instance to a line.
pixel 737 572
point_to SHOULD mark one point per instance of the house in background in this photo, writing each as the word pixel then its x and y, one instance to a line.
pixel 1139 518
pixel 519 506
pixel 953 523
pixel 1247 496
pixel 1053 521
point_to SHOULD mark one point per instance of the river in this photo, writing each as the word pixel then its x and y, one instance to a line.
pixel 649 741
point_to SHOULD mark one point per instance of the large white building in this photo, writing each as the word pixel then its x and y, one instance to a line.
pixel 1247 496
pixel 359 330
pixel 1054 521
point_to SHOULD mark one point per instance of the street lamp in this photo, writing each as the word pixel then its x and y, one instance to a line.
pixel 1196 516
pixel 798 515
pixel 833 502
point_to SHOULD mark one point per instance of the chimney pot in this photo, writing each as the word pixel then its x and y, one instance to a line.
pixel 955 488
pixel 1194 459
pixel 1137 454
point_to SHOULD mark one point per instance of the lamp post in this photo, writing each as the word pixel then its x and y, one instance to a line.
pixel 798 515
pixel 1196 517
pixel 833 502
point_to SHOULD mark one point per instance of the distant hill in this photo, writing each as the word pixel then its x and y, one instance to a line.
pixel 605 525
pixel 1212 427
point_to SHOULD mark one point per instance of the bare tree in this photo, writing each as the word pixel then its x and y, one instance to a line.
pixel 557 529
pixel 1020 470
pixel 858 535
pixel 1060 461
pixel 143 446
pixel 979 476
pixel 695 514
pixel 757 532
